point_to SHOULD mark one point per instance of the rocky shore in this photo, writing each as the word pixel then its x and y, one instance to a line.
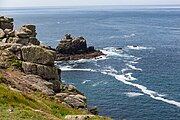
pixel 28 66
pixel 75 48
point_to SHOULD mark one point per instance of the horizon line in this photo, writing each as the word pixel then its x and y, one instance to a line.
pixel 89 5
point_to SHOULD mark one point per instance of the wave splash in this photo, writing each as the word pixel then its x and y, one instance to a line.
pixel 125 77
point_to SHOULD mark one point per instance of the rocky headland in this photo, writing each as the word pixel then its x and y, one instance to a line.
pixel 27 67
pixel 75 48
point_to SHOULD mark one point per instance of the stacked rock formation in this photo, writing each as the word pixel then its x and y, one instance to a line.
pixel 21 51
pixel 74 48
pixel 23 45
pixel 25 35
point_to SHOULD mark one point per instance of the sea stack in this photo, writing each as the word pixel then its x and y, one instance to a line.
pixel 74 48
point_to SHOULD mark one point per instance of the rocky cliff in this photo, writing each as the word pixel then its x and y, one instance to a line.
pixel 74 48
pixel 28 67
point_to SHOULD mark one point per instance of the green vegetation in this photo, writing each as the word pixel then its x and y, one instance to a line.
pixel 17 106
pixel 13 63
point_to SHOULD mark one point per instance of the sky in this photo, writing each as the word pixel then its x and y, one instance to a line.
pixel 31 3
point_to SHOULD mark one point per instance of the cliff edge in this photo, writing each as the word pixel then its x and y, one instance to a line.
pixel 30 83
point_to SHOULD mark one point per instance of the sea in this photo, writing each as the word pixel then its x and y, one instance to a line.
pixel 139 78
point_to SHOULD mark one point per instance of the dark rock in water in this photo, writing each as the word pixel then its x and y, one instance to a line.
pixel 135 46
pixel 94 110
pixel 119 48
pixel 72 48
pixel 69 45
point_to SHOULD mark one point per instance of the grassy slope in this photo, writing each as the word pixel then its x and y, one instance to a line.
pixel 35 106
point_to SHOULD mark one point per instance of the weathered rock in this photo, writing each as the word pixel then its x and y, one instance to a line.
pixel 40 85
pixel 9 33
pixel 69 45
pixel 39 55
pixel 26 31
pixel 29 68
pixel 65 57
pixel 24 41
pixel 6 25
pixel 14 47
pixel 62 95
pixel 80 97
pixel 46 72
pixel 65 104
pixel 75 103
pixel 49 73
pixel 94 110
pixel 2 34
pixel 34 41
pixel 6 19
pixel 71 48
pixel 4 46
pixel 80 117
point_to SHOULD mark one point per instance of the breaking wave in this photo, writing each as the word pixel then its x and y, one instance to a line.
pixel 139 48
pixel 124 76
pixel 133 94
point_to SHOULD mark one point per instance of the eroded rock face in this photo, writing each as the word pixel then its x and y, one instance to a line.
pixel 22 49
pixel 34 63
pixel 39 55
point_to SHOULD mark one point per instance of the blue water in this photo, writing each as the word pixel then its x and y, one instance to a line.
pixel 135 83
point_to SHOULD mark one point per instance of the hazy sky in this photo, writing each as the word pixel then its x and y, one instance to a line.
pixel 24 3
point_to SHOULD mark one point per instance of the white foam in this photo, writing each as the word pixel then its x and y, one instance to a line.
pixel 139 47
pixel 129 76
pixel 98 83
pixel 145 90
pixel 70 68
pixel 85 81
pixel 128 36
pixel 133 62
pixel 109 69
pixel 111 51
pixel 114 37
pixel 124 70
pixel 133 94
pixel 133 67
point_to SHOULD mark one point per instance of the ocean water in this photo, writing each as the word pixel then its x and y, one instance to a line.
pixel 139 82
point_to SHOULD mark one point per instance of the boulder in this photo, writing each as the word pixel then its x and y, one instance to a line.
pixel 46 72
pixel 34 41
pixel 26 31
pixel 40 85
pixel 80 117
pixel 4 25
pixel 39 55
pixel 24 41
pixel 9 33
pixel 6 19
pixel 75 103
pixel 49 73
pixel 2 34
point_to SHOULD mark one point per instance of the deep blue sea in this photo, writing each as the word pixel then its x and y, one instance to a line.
pixel 139 82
